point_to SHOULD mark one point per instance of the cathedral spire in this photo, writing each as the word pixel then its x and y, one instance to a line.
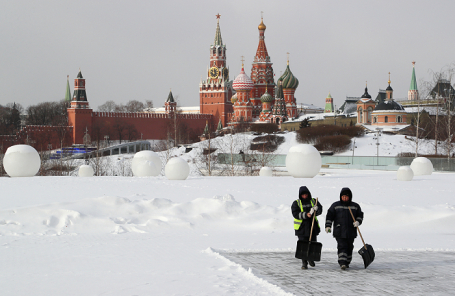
pixel 218 40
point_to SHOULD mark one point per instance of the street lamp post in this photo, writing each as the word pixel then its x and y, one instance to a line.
pixel 378 134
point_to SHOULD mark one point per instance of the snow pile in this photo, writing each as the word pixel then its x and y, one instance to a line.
pixel 405 173
pixel 421 166
pixel 177 169
pixel 21 161
pixel 86 171
pixel 146 163
pixel 303 161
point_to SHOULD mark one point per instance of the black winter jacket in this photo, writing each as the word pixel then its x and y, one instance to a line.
pixel 305 227
pixel 339 215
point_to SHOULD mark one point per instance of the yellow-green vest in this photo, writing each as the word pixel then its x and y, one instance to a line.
pixel 298 222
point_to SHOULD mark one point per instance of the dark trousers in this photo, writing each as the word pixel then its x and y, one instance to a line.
pixel 306 239
pixel 345 247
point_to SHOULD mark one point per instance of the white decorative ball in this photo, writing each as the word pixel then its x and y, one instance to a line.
pixel 177 169
pixel 265 172
pixel 86 171
pixel 140 158
pixel 146 168
pixel 422 166
pixel 303 161
pixel 21 161
pixel 405 173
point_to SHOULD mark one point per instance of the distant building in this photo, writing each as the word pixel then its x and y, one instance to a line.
pixel 328 104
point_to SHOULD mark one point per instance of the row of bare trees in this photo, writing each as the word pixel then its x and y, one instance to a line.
pixel 130 106
pixel 436 122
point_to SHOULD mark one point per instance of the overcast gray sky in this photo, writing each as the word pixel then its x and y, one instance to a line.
pixel 140 49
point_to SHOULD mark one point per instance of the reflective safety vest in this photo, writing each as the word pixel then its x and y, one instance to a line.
pixel 298 222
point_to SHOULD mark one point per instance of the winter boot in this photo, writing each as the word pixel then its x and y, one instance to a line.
pixel 312 264
pixel 343 267
pixel 304 264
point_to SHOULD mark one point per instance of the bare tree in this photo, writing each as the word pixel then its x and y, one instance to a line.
pixel 134 106
pixel 109 106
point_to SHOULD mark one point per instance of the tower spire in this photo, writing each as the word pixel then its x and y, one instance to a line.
pixel 413 93
pixel 68 90
pixel 218 40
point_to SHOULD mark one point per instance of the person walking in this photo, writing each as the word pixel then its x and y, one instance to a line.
pixel 303 210
pixel 344 227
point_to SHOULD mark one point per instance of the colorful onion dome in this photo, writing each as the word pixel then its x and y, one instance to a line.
pixel 234 99
pixel 289 81
pixel 266 97
pixel 261 26
pixel 242 81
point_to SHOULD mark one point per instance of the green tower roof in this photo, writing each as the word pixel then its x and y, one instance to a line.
pixel 413 79
pixel 170 97
pixel 68 91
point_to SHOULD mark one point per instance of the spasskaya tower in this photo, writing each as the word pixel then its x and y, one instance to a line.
pixel 215 92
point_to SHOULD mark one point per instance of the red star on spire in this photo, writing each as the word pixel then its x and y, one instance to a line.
pixel 218 16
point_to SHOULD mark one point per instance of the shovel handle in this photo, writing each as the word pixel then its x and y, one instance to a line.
pixel 312 223
pixel 358 229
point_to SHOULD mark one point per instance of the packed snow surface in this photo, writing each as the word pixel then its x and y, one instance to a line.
pixel 154 236
pixel 21 161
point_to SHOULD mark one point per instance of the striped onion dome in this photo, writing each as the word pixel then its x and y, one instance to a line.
pixel 242 81
pixel 234 99
pixel 266 97
pixel 288 79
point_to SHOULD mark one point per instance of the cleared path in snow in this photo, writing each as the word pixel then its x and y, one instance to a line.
pixel 392 272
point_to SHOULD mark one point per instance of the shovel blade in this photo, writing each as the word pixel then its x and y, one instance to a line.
pixel 367 255
pixel 310 251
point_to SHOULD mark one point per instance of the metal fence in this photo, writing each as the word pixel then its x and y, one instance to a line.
pixel 345 162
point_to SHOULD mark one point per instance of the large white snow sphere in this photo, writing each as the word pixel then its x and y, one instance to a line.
pixel 177 169
pixel 86 171
pixel 421 166
pixel 146 168
pixel 139 160
pixel 405 173
pixel 265 172
pixel 303 161
pixel 21 161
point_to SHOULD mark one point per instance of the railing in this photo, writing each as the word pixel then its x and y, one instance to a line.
pixel 341 162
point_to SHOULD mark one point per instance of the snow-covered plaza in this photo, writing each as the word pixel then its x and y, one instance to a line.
pixel 219 235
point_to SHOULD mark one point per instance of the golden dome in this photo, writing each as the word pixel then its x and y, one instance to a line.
pixel 261 26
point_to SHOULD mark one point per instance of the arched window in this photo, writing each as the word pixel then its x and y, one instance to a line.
pixel 399 119
pixel 375 119
pixel 386 119
pixel 278 120
pixel 360 119
pixel 369 111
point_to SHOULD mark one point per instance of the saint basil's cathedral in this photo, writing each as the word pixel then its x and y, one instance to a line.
pixel 252 100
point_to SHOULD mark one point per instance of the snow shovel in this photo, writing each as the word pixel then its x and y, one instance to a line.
pixel 366 251
pixel 310 251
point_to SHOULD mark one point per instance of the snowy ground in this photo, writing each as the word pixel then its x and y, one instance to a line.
pixel 152 236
